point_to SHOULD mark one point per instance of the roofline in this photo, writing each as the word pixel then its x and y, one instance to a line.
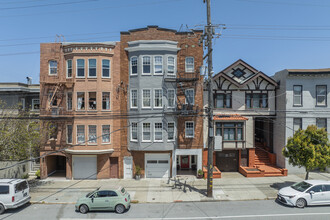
pixel 109 43
pixel 158 28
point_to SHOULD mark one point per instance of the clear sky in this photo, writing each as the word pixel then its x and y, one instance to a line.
pixel 270 35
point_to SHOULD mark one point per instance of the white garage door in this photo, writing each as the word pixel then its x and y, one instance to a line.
pixel 157 165
pixel 84 167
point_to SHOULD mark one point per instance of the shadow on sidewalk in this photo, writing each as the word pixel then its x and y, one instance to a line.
pixel 281 185
pixel 180 185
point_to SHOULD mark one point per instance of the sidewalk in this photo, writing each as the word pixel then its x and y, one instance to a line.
pixel 232 186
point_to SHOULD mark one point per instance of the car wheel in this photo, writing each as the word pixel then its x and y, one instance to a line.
pixel 301 203
pixel 83 209
pixel 2 209
pixel 120 208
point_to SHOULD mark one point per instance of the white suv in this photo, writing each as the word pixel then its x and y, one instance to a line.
pixel 13 193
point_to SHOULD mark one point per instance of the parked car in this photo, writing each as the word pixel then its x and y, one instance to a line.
pixel 13 193
pixel 105 199
pixel 305 193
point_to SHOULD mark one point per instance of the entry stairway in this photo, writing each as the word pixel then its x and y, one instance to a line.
pixel 262 162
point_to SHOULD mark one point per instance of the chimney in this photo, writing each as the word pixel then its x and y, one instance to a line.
pixel 29 80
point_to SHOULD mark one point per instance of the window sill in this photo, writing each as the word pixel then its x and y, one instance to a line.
pixel 104 77
pixel 146 107
pixel 105 143
pixel 190 137
pixel 80 77
pixel 321 106
pixel 92 144
pixel 133 74
pixel 135 141
pixel 146 74
pixel 297 105
pixel 160 141
pixel 146 141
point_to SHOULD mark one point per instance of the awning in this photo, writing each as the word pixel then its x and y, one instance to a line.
pixel 107 151
pixel 232 117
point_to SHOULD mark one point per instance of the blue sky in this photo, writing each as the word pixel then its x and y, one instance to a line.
pixel 270 35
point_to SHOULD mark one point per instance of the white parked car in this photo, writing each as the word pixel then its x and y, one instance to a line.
pixel 13 193
pixel 308 192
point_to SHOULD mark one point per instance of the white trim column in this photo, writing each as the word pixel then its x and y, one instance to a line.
pixel 177 152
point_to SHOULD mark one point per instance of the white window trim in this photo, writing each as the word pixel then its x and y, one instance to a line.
pixel 109 134
pixel 143 73
pixel 88 109
pixel 146 107
pixel 32 107
pixel 109 102
pixel 80 77
pixel 89 143
pixel 174 65
pixel 105 77
pixel 85 106
pixel 137 98
pixel 23 103
pixel 186 136
pixel 67 136
pixel 67 95
pixel 143 130
pixel 155 100
pixel 189 71
pixel 168 106
pixel 84 142
pixel 154 65
pixel 171 140
pixel 131 66
pixel 300 96
pixel 95 68
pixel 325 96
pixel 137 133
pixel 193 103
pixel 49 68
pixel 155 132
pixel 67 69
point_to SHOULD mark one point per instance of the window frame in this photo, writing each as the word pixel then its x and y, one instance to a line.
pixel 251 94
pixel 89 68
pixel 325 96
pixel 155 64
pixel 235 126
pixel 131 67
pixel 143 73
pixel 171 140
pixel 174 98
pixel 32 107
pixel 300 124
pixel 105 109
pixel 67 68
pixel 51 67
pixel 84 102
pixel 161 99
pixel 193 129
pixel 137 134
pixel 109 68
pixel 325 123
pixel 131 99
pixel 143 140
pixel 158 131
pixel 89 141
pixel 89 100
pixel 301 96
pixel 187 69
pixel 224 100
pixel 150 98
pixel 77 69
pixel 102 126
pixel 67 101
pixel 185 92
pixel 67 134
pixel 84 142
pixel 169 73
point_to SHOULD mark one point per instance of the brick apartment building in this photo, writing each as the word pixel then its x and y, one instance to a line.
pixel 164 101
pixel 80 93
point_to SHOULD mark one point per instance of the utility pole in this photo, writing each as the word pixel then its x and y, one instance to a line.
pixel 209 31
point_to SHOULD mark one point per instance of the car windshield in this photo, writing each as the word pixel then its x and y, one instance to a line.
pixel 302 186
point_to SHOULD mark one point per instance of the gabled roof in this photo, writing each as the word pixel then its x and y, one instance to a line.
pixel 159 28
pixel 255 74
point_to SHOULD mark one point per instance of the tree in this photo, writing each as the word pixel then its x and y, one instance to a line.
pixel 308 148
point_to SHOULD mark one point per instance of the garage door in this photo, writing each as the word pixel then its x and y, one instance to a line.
pixel 157 165
pixel 84 167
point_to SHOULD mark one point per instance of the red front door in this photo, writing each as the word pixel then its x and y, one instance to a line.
pixel 184 162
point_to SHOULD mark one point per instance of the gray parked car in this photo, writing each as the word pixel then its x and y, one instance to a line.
pixel 305 193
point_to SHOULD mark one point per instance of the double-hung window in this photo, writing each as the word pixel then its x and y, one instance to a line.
pixel 158 132
pixel 80 100
pixel 52 67
pixel 146 98
pixel 92 100
pixel 321 95
pixel 190 133
pixel 171 98
pixel 158 65
pixel 171 65
pixel 80 68
pixel 80 134
pixel 106 68
pixel 297 124
pixel 321 123
pixel 92 68
pixel 69 68
pixel 297 95
pixel 134 131
pixel 105 100
pixel 69 101
pixel 170 131
pixel 232 131
pixel 35 104
pixel 69 134
pixel 92 137
pixel 105 133
pixel 189 64
pixel 146 65
pixel 134 65
pixel 158 101
pixel 146 132
pixel 256 100
pixel 190 96
pixel 134 98
pixel 223 100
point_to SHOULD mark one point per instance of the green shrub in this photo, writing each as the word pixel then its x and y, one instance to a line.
pixel 25 176
pixel 38 174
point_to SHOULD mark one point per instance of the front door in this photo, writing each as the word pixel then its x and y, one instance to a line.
pixel 128 167
pixel 113 167
pixel 185 162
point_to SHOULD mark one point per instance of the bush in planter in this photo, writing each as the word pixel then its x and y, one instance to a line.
pixel 38 174
pixel 137 172
pixel 200 173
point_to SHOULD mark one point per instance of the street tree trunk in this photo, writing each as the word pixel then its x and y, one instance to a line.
pixel 307 173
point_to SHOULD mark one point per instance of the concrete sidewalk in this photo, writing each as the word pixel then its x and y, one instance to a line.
pixel 232 186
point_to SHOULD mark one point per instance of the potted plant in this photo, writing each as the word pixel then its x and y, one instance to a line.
pixel 137 172
pixel 200 174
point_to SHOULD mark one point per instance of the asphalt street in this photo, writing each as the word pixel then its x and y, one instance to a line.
pixel 257 209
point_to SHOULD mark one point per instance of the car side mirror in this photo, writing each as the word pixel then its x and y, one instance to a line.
pixel 311 192
pixel 92 199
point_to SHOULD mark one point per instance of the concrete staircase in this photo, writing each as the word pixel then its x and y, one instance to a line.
pixel 34 169
pixel 263 162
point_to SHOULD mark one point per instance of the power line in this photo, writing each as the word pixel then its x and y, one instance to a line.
pixel 46 5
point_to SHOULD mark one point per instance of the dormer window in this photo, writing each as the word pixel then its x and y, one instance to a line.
pixel 238 73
